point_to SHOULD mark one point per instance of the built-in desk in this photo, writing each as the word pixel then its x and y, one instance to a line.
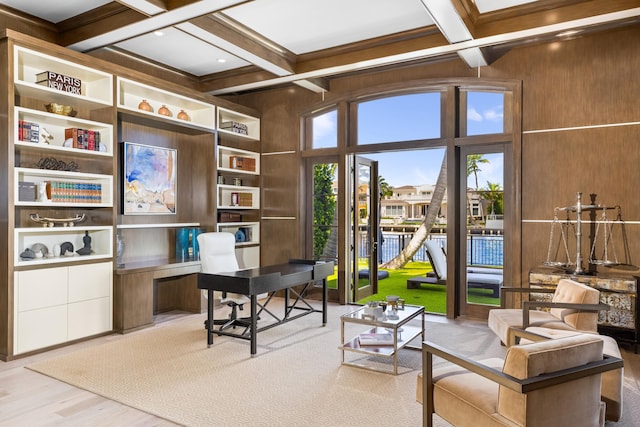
pixel 618 290
pixel 144 288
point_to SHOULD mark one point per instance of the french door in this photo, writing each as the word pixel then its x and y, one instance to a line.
pixel 365 227
pixel 484 203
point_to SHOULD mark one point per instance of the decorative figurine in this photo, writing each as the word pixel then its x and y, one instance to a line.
pixel 86 249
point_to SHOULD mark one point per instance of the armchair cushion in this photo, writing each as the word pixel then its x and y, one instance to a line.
pixel 529 361
pixel 612 381
pixel 577 293
pixel 567 292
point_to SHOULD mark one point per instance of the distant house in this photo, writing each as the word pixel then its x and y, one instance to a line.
pixel 410 203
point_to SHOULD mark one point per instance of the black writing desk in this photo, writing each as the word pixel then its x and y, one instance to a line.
pixel 268 279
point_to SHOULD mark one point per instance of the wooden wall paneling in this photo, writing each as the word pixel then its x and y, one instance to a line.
pixel 600 161
pixel 6 216
pixel 132 301
pixel 278 240
pixel 280 174
pixel 585 81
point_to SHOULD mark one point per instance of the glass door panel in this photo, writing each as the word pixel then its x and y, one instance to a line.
pixel 482 244
pixel 366 227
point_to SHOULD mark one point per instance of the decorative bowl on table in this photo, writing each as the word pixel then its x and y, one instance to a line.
pixel 64 110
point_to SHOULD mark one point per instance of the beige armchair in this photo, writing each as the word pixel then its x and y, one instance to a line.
pixel 573 307
pixel 548 383
pixel 612 390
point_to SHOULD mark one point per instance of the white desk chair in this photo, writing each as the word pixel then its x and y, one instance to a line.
pixel 217 254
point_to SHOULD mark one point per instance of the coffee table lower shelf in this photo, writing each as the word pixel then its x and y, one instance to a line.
pixel 405 335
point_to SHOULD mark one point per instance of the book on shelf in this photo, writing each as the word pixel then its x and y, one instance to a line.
pixel 376 339
pixel 59 82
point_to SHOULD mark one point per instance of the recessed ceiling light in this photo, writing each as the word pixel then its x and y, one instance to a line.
pixel 158 33
pixel 222 60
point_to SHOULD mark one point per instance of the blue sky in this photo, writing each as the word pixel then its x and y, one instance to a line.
pixel 417 116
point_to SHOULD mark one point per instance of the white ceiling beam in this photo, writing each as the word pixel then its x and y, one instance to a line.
pixel 447 19
pixel 498 39
pixel 156 22
pixel 143 6
pixel 451 25
pixel 314 85
pixel 233 49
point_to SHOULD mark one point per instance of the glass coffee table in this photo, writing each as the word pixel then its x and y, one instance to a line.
pixel 389 334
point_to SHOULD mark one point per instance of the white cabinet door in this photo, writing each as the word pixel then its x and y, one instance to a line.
pixel 89 318
pixel 41 288
pixel 89 281
pixel 41 328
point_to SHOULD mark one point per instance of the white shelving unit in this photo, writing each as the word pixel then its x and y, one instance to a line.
pixel 250 231
pixel 227 155
pixel 96 88
pixel 71 294
pixel 44 175
pixel 55 125
pixel 238 197
pixel 251 124
pixel 26 238
pixel 238 191
pixel 131 94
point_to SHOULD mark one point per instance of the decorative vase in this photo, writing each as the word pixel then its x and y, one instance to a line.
pixel 145 106
pixel 164 111
pixel 183 116
pixel 119 249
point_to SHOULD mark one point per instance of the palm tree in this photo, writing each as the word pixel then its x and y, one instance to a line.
pixel 495 196
pixel 385 189
pixel 423 231
pixel 473 161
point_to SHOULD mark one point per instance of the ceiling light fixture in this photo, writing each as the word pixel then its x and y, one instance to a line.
pixel 158 33
pixel 221 60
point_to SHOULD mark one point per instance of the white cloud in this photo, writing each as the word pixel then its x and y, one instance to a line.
pixel 472 114
pixel 324 125
pixel 494 114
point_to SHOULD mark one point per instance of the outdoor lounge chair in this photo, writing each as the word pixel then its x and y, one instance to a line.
pixel 477 277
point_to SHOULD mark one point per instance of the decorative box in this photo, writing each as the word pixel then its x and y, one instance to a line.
pixel 242 163
pixel 26 191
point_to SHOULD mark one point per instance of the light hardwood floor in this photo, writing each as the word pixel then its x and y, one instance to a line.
pixel 30 399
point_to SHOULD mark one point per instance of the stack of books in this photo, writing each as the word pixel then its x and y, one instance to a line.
pixel 376 339
pixel 28 131
pixel 84 139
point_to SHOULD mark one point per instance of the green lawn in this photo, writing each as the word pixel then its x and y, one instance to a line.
pixel 432 297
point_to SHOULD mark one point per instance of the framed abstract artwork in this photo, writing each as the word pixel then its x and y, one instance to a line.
pixel 149 180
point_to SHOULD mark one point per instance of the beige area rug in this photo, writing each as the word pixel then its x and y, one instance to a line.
pixel 295 379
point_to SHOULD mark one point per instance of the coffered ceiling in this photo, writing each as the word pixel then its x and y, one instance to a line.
pixel 234 46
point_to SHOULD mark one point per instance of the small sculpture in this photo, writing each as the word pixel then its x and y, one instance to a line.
pixel 28 254
pixel 86 249
pixel 45 136
pixel 66 247
pixel 42 192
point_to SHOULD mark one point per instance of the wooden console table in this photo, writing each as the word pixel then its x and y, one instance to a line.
pixel 141 289
pixel 620 291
